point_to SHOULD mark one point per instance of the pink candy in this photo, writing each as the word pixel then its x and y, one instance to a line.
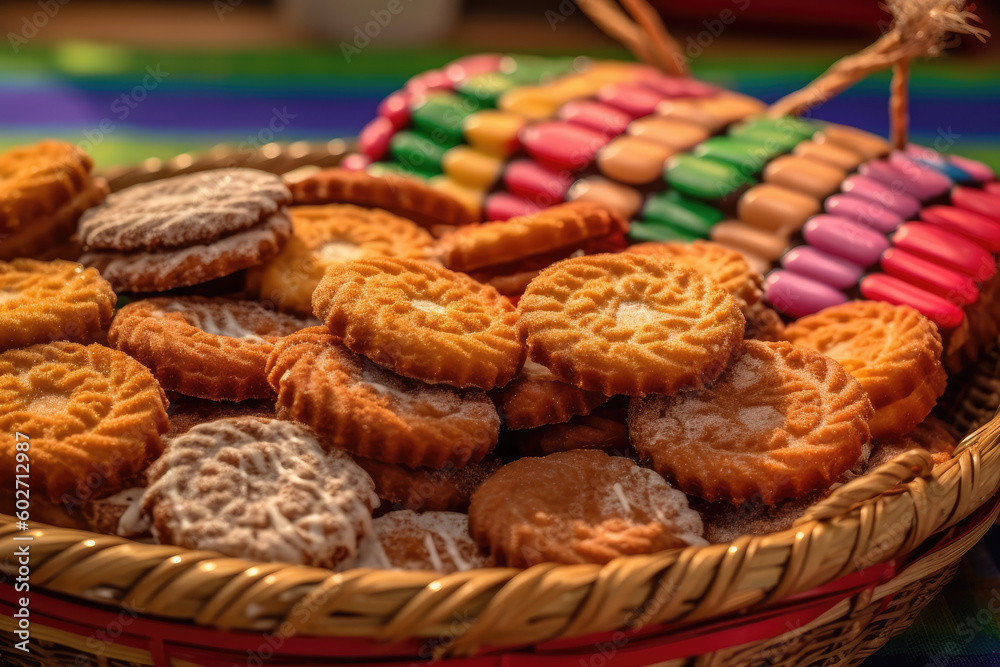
pixel 880 287
pixel 536 183
pixel 895 200
pixel 866 212
pixel 396 108
pixel 812 263
pixel 465 68
pixel 595 116
pixel 938 245
pixel 845 239
pixel 355 162
pixel 902 172
pixel 504 205
pixel 677 86
pixel 432 79
pixel 979 228
pixel 927 275
pixel 631 98
pixel 560 145
pixel 373 140
pixel 979 171
pixel 797 295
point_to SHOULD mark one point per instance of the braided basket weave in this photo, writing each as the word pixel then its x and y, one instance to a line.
pixel 852 572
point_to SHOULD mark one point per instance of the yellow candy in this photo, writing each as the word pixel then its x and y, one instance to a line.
pixel 493 132
pixel 470 198
pixel 472 168
pixel 532 102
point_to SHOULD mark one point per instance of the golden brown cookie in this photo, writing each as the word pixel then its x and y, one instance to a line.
pixel 894 351
pixel 578 507
pixel 48 236
pixel 422 321
pixel 496 243
pixel 536 398
pixel 629 324
pixel 209 348
pixel 431 541
pixel 733 274
pixel 603 429
pixel 37 181
pixel 326 235
pixel 781 422
pixel 931 434
pixel 405 197
pixel 93 417
pixel 47 301
pixel 371 412
pixel 259 489
pixel 427 489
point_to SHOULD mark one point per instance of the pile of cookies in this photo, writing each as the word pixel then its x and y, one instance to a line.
pixel 344 370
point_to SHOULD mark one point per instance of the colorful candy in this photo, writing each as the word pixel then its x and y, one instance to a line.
pixel 797 295
pixel 881 287
pixel 843 238
pixel 774 208
pixel 818 265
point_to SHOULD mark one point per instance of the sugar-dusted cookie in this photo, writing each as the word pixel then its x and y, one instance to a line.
pixel 433 541
pixel 536 398
pixel 428 489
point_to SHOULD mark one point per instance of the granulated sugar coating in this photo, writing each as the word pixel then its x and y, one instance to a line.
pixel 405 540
pixel 781 422
pixel 579 507
pixel 259 489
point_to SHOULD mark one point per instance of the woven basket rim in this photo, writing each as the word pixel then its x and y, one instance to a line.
pixel 874 518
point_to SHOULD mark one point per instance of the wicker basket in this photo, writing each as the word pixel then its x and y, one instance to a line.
pixel 853 572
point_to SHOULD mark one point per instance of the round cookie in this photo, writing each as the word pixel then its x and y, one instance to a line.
pixel 496 243
pixel 369 411
pixel 434 541
pixel 405 197
pixel 326 235
pixel 422 321
pixel 426 489
pixel 182 211
pixel 93 417
pixel 893 351
pixel 159 271
pixel 579 507
pixel 48 301
pixel 603 429
pixel 536 398
pixel 781 422
pixel 629 324
pixel 210 348
pixel 931 434
pixel 36 181
pixel 259 489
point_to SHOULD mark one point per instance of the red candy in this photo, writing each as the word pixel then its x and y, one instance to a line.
pixel 432 79
pixel 504 205
pixel 977 201
pixel 465 68
pixel 992 188
pixel 560 145
pixel 396 108
pixel 941 246
pixel 927 275
pixel 536 183
pixel 631 98
pixel 880 287
pixel 595 116
pixel 979 228
pixel 374 138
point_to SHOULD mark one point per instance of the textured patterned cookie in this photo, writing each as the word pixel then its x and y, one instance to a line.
pixel 730 270
pixel 210 348
pixel 362 408
pixel 191 209
pixel 47 301
pixel 931 434
pixel 477 246
pixel 422 321
pixel 894 351
pixel 180 267
pixel 118 514
pixel 536 398
pixel 426 489
pixel 93 415
pixel 36 181
pixel 48 236
pixel 629 324
pixel 603 429
pixel 781 422
pixel 434 541
pixel 326 235
pixel 578 507
pixel 405 197
pixel 259 489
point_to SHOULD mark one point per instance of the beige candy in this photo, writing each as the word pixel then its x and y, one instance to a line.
pixel 679 135
pixel 805 175
pixel 633 160
pixel 622 199
pixel 749 240
pixel 838 156
pixel 775 208
pixel 867 144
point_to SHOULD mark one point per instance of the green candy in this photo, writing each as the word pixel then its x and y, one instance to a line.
pixel 682 213
pixel 394 169
pixel 417 152
pixel 487 88
pixel 533 70
pixel 703 177
pixel 778 134
pixel 747 156
pixel 656 231
pixel 441 117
